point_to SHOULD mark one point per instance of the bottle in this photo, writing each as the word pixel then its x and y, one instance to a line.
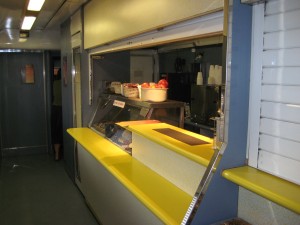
pixel 218 75
pixel 211 75
pixel 187 110
pixel 199 78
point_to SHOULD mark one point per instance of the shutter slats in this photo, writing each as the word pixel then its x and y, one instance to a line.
pixel 279 111
pixel 280 129
pixel 280 166
pixel 282 21
pixel 281 75
pixel 274 7
pixel 281 57
pixel 282 39
pixel 280 146
pixel 283 94
pixel 278 149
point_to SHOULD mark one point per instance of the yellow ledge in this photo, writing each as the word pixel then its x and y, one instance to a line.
pixel 280 191
pixel 201 154
pixel 165 200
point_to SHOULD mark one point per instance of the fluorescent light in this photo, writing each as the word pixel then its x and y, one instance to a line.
pixel 28 22
pixel 35 5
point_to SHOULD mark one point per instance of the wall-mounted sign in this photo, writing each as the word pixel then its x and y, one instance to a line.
pixel 119 104
pixel 27 74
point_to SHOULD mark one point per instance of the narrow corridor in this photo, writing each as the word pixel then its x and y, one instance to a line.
pixel 36 190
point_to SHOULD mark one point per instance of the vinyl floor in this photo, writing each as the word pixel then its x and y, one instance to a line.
pixel 36 190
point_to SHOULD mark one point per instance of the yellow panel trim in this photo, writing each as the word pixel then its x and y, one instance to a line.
pixel 278 190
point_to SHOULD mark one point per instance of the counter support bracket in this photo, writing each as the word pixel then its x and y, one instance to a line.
pixel 188 218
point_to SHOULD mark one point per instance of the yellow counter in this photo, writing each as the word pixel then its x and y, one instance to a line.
pixel 270 187
pixel 198 153
pixel 165 200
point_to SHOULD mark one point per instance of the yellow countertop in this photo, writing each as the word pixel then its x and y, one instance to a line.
pixel 198 153
pixel 165 200
pixel 271 187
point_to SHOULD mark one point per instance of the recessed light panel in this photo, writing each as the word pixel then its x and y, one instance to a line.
pixel 35 5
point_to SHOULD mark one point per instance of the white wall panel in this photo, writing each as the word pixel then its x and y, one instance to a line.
pixel 280 146
pixel 277 165
pixel 255 83
pixel 76 23
pixel 281 75
pixel 181 171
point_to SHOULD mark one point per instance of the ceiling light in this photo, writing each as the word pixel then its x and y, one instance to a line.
pixel 28 22
pixel 35 5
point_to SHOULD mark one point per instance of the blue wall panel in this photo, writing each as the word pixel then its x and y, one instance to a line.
pixel 221 199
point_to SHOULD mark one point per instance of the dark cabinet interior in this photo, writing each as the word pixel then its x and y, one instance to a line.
pixel 205 103
pixel 179 64
pixel 180 86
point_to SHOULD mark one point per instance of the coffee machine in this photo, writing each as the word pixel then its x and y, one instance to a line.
pixel 205 103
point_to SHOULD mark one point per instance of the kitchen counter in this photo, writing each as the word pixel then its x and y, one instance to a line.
pixel 164 199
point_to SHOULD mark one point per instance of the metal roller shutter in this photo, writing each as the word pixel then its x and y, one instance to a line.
pixel 276 146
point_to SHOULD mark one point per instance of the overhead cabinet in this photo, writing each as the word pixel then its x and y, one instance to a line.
pixel 109 21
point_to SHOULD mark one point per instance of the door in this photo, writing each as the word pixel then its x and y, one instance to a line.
pixel 23 109
pixel 141 69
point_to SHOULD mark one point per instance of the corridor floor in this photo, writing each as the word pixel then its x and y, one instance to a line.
pixel 36 190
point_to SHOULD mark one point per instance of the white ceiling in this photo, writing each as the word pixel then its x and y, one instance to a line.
pixel 45 33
